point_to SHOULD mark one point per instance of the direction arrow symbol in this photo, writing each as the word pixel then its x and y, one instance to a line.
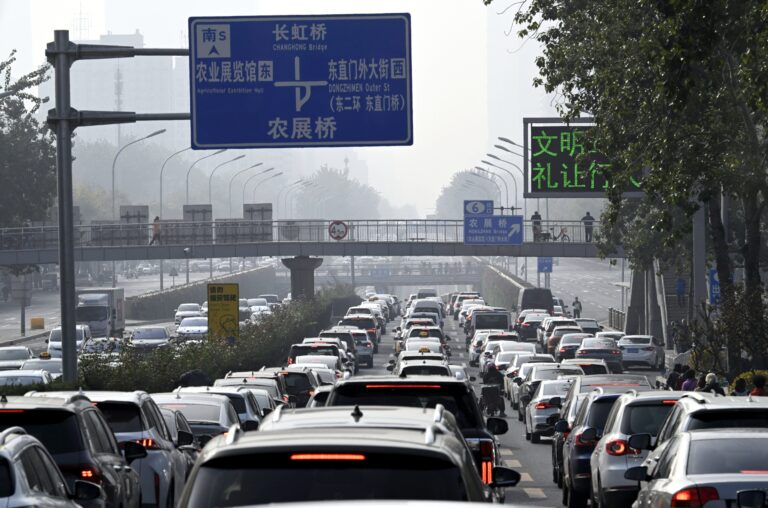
pixel 515 229
pixel 213 51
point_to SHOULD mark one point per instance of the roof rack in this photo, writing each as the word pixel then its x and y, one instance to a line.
pixel 9 432
pixel 233 434
pixel 695 396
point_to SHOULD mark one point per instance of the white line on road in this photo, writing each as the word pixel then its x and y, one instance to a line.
pixel 535 493
pixel 525 477
pixel 512 463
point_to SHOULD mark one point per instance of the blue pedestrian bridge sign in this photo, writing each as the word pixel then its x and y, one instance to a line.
pixel 300 81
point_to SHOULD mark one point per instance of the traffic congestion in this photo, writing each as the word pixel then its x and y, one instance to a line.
pixel 444 396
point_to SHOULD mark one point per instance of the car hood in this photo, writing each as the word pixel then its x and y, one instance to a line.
pixel 11 364
pixel 187 313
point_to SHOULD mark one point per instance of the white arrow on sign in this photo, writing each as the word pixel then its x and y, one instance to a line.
pixel 515 229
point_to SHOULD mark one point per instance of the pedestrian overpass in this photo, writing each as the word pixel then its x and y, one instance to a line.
pixel 232 238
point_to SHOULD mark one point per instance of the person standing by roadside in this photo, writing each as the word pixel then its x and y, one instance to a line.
pixel 689 381
pixel 576 304
pixel 155 231
pixel 680 291
pixel 536 224
pixel 712 386
pixel 740 388
pixel 589 222
pixel 759 381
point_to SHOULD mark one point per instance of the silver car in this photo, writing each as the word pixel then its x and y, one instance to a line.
pixel 712 468
pixel 546 401
pixel 642 350
pixel 193 328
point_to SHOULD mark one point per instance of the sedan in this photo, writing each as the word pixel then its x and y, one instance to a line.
pixel 568 345
pixel 602 349
pixel 149 337
pixel 193 328
pixel 642 350
pixel 546 401
pixel 713 468
pixel 12 357
pixel 186 310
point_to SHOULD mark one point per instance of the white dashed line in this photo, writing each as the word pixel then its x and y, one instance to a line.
pixel 525 477
pixel 512 463
pixel 535 493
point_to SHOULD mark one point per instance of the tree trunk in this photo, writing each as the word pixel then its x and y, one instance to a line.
pixel 720 247
pixel 753 288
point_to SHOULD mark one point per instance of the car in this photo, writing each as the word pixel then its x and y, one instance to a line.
pixel 553 340
pixel 580 443
pixel 535 298
pixel 179 429
pixel 421 367
pixel 300 383
pixel 208 414
pixel 320 396
pixel 50 365
pixel 538 373
pixel 13 357
pixel 258 303
pixel 601 349
pixel 147 338
pixel 270 381
pixel 611 334
pixel 192 328
pixel 609 383
pixel 25 377
pixel 419 345
pixel 134 417
pixel 186 310
pixel 77 437
pixel 266 402
pixel 549 325
pixel 527 328
pixel 557 310
pixel 313 349
pixel 363 348
pixel 567 413
pixel 345 463
pixel 246 406
pixel 589 325
pixel 520 319
pixel 476 345
pixel 30 477
pixel 327 361
pixel 642 350
pixel 82 333
pixel 513 370
pixel 590 366
pixel 712 468
pixel 363 322
pixel 103 350
pixel 632 413
pixel 546 401
pixel 455 395
pixel 204 309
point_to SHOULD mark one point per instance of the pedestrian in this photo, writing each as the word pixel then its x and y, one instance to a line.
pixel 740 388
pixel 674 377
pixel 536 225
pixel 589 222
pixel 701 382
pixel 711 385
pixel 576 304
pixel 683 370
pixel 680 291
pixel 689 381
pixel 155 231
pixel 759 381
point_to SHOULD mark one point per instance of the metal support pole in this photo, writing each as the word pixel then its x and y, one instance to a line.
pixel 699 281
pixel 187 270
pixel 623 291
pixel 352 269
pixel 24 313
pixel 61 63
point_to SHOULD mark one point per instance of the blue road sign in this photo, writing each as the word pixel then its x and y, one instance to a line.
pixel 493 230
pixel 293 81
pixel 714 287
pixel 478 207
pixel 545 265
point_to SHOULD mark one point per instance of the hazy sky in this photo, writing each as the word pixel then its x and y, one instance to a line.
pixel 471 82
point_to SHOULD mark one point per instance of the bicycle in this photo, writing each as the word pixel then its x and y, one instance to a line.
pixel 563 236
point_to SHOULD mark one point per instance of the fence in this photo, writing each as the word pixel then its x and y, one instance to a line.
pixel 616 318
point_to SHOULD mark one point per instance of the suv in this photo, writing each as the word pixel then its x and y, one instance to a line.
pixel 134 416
pixel 632 413
pixel 245 404
pixel 367 323
pixel 301 382
pixel 81 443
pixel 82 334
pixel 30 477
pixel 345 461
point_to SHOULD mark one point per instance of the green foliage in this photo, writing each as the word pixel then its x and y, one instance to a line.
pixel 263 344
pixel 332 193
pixel 747 376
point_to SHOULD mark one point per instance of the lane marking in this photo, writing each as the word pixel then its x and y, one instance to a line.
pixel 512 463
pixel 535 493
pixel 507 453
pixel 525 477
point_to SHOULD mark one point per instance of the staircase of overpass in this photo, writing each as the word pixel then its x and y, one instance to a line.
pixel 223 238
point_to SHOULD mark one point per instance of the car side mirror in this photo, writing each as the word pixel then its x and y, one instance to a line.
pixel 751 499
pixel 589 434
pixel 517 380
pixel 504 477
pixel 133 451
pixel 562 427
pixel 638 474
pixel 250 425
pixel 86 491
pixel 556 401
pixel 390 368
pixel 204 439
pixel 184 438
pixel 497 426
pixel 640 441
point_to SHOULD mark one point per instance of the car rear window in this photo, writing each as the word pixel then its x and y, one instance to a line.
pixel 729 418
pixel 591 368
pixel 56 429
pixel 250 479
pixel 484 320
pixel 645 418
pixel 598 413
pixel 121 416
pixel 238 402
pixel 728 456
pixel 314 349
pixel 196 412
pixel 635 340
pixel 544 374
pixel 571 340
pixel 425 370
pixel 454 397
pixel 297 382
pixel 359 323
pixel 6 480
pixel 425 333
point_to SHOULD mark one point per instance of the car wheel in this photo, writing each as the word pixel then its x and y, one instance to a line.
pixel 527 434
pixel 560 479
pixel 576 500
pixel 370 363
pixel 519 415
pixel 564 495
pixel 535 438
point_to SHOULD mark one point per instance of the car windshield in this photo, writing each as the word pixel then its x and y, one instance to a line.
pixel 489 320
pixel 53 366
pixel 196 411
pixel 13 354
pixel 728 456
pixel 194 322
pixel 635 340
pixel 250 479
pixel 565 331
pixel 121 416
pixel 367 323
pixel 85 314
pixel 150 333
pixel 189 307
pixel 313 349
pixel 297 383
pixel 425 333
pixel 554 388
pixel 103 346
pixel 645 418
pixel 593 368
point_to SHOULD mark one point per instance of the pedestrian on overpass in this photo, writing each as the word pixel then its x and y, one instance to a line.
pixel 155 231
pixel 680 291
pixel 589 222
pixel 576 304
pixel 536 224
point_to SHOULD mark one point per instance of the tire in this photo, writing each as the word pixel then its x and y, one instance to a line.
pixel 564 494
pixel 370 363
pixel 560 479
pixel 527 434
pixel 519 415
pixel 535 438
pixel 575 500
pixel 515 405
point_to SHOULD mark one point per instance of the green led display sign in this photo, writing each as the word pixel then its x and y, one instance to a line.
pixel 563 162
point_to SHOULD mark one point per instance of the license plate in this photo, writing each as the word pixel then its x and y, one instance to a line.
pixel 632 350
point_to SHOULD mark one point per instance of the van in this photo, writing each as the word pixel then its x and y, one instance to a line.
pixel 425 293
pixel 535 298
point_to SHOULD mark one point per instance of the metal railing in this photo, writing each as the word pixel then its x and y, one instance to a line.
pixel 616 318
pixel 236 231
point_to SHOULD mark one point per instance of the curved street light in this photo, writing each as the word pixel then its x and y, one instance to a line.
pixel 278 208
pixel 490 180
pixel 162 169
pixel 114 163
pixel 257 187
pixel 232 180
pixel 287 196
pixel 506 187
pixel 507 140
pixel 210 177
pixel 251 178
pixel 186 200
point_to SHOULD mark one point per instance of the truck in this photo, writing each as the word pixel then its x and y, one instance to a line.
pixel 102 309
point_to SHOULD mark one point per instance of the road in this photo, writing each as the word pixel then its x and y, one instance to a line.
pixel 592 280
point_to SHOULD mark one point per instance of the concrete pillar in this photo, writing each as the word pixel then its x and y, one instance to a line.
pixel 636 308
pixel 655 321
pixel 302 275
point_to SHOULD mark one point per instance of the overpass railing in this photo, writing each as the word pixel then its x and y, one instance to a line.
pixel 235 231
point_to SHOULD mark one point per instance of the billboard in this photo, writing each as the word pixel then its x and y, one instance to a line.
pixel 223 311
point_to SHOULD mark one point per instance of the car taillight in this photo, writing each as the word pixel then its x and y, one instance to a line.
pixel 290 361
pixel 527 325
pixel 581 442
pixel 695 497
pixel 486 460
pixel 562 350
pixel 615 352
pixel 514 373
pixel 581 352
pixel 543 405
pixel 619 447
pixel 149 443
pixel 83 472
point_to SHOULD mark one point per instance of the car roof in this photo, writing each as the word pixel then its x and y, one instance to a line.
pixel 422 361
pixel 727 433
pixel 633 396
pixel 97 395
pixel 709 401
pixel 46 400
pixel 430 380
pixel 19 348
pixel 210 399
pixel 207 389
pixel 583 361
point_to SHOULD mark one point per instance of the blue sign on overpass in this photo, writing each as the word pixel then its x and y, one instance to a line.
pixel 293 81
pixel 494 230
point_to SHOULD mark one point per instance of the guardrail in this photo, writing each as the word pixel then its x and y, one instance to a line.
pixel 236 231
pixel 616 318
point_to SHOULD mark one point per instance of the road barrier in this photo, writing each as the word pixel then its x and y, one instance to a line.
pixel 616 318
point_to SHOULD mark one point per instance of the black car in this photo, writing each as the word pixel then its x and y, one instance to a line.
pixel 568 344
pixel 301 383
pixel 78 438
pixel 178 425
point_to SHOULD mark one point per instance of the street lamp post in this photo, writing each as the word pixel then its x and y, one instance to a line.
pixel 252 177
pixel 506 187
pixel 257 187
pixel 189 171
pixel 232 180
pixel 210 178
pixel 162 170
pixel 114 163
pixel 278 209
pixel 261 182
pixel 490 180
pixel 294 186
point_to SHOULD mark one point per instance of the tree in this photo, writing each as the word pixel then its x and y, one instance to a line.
pixel 450 202
pixel 332 194
pixel 28 161
pixel 678 91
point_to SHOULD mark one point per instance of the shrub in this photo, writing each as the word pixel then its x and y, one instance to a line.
pixel 747 376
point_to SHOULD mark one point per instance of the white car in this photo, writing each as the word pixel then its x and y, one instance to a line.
pixel 24 377
pixel 328 361
pixel 192 328
pixel 12 357
pixel 642 350
pixel 186 310
pixel 54 340
pixel 546 401
pixel 51 365
pixel 513 370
